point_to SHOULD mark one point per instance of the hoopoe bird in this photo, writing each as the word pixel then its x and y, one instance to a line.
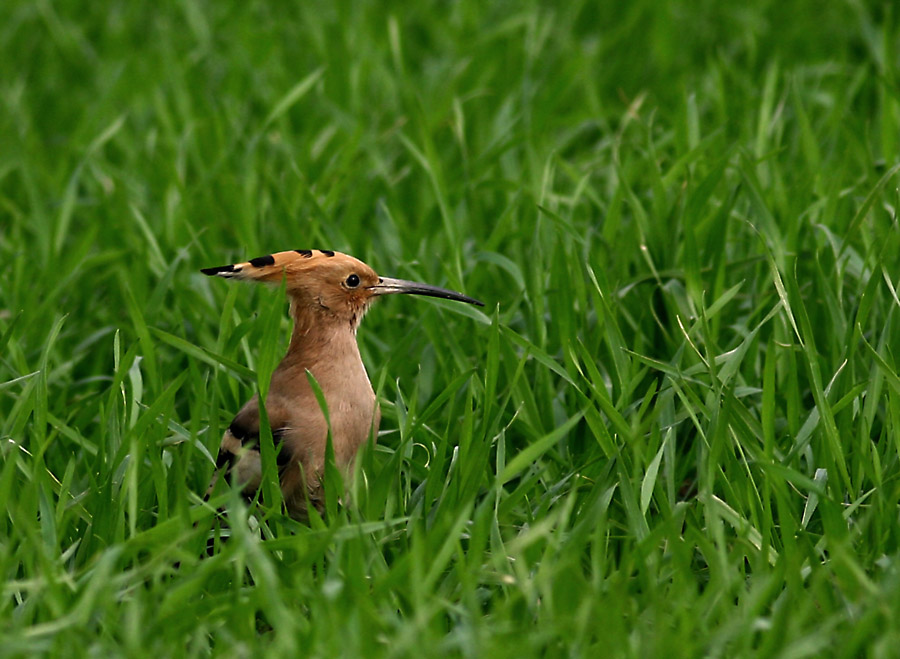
pixel 329 294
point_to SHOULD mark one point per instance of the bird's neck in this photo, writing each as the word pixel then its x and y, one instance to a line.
pixel 319 338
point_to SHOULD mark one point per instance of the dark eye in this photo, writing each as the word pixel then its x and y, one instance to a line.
pixel 353 281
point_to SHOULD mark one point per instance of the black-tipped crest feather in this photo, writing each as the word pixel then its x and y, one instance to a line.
pixel 221 270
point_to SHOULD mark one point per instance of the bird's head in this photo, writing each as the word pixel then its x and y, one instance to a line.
pixel 334 284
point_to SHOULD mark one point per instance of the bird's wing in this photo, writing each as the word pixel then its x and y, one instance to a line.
pixel 239 451
pixel 297 440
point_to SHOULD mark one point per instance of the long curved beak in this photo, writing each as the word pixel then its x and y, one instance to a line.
pixel 387 286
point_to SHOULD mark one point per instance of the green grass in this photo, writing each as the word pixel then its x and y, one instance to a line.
pixel 673 431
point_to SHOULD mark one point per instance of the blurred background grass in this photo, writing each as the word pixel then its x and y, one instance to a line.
pixel 673 431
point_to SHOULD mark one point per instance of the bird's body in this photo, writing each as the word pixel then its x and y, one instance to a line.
pixel 330 293
pixel 330 353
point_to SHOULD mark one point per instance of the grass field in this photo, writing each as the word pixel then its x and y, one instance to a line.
pixel 674 430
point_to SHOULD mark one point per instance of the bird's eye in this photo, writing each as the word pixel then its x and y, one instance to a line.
pixel 352 281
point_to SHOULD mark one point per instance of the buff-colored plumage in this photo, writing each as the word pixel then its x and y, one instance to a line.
pixel 329 294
